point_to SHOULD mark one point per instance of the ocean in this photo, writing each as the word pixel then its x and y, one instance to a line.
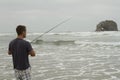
pixel 68 56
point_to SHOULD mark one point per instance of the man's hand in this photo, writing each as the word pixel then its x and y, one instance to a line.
pixel 32 53
pixel 9 53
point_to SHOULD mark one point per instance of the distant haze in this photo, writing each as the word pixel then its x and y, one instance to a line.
pixel 41 15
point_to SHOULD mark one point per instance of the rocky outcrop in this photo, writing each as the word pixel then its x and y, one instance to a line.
pixel 107 25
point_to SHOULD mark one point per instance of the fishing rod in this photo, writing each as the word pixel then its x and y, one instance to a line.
pixel 50 30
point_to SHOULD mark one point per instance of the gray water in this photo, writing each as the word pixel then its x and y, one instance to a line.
pixel 68 56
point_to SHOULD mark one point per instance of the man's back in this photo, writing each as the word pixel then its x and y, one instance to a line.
pixel 20 50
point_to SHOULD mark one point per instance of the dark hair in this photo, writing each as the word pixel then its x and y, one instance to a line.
pixel 20 29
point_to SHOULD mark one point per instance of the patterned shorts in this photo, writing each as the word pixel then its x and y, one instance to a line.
pixel 23 74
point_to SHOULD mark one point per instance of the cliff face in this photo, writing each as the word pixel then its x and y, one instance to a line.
pixel 107 25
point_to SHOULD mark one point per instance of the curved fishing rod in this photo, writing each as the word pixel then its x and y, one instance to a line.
pixel 50 30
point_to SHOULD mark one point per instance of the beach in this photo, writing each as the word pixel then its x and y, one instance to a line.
pixel 68 56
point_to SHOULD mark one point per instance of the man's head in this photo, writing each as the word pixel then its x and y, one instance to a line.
pixel 21 30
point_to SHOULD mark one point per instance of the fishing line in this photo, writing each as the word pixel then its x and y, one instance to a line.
pixel 50 30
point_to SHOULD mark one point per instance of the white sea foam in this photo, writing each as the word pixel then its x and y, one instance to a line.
pixel 99 43
pixel 6 34
pixel 106 33
pixel 90 56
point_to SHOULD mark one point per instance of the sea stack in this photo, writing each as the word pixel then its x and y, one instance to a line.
pixel 108 25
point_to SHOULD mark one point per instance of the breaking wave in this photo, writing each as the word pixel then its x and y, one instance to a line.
pixel 76 42
pixel 57 42
pixel 98 43
pixel 107 33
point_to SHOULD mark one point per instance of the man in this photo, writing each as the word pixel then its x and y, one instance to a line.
pixel 20 50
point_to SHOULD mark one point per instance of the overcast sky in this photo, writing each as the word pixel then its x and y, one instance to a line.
pixel 41 15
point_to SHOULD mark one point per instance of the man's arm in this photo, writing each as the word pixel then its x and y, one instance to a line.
pixel 32 53
pixel 9 53
pixel 30 49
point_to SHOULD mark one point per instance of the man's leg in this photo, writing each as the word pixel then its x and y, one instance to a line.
pixel 17 75
pixel 26 74
pixel 23 74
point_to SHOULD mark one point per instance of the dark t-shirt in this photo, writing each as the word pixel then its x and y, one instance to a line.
pixel 20 50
